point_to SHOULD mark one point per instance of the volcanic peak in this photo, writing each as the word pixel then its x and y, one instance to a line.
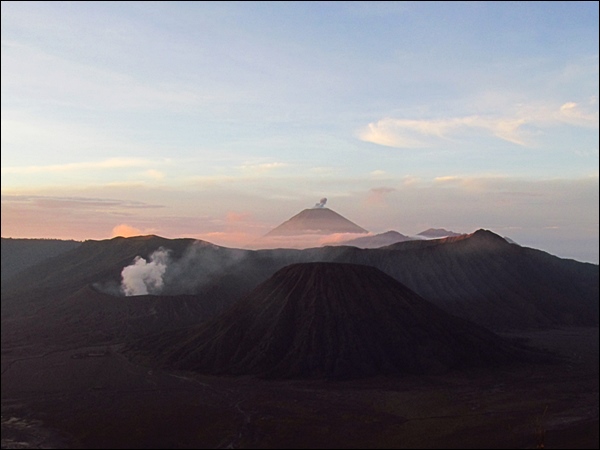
pixel 316 221
pixel 333 320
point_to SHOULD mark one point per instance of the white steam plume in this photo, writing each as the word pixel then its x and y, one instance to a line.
pixel 143 277
pixel 165 274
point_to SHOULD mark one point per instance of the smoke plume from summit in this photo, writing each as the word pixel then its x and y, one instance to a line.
pixel 321 203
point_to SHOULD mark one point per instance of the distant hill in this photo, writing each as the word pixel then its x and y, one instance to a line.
pixel 331 320
pixel 61 300
pixel 377 240
pixel 88 315
pixel 89 262
pixel 483 278
pixel 318 220
pixel 18 254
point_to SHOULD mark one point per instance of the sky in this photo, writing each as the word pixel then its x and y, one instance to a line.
pixel 221 120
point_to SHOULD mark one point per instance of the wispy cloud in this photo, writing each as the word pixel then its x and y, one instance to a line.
pixel 35 73
pixel 262 168
pixel 378 173
pixel 405 133
pixel 580 115
pixel 236 217
pixel 107 164
pixel 42 201
pixel 377 196
pixel 154 174
pixel 72 217
pixel 419 133
pixel 448 179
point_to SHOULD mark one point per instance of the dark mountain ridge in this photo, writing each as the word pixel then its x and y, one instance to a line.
pixel 480 277
pixel 90 262
pixel 19 254
pixel 483 278
pixel 88 315
pixel 64 298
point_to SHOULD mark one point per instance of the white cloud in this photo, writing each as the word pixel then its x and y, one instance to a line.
pixel 378 173
pixel 377 196
pixel 107 164
pixel 404 133
pixel 419 133
pixel 447 179
pixel 262 168
pixel 393 133
pixel 411 180
pixel 154 174
pixel 580 115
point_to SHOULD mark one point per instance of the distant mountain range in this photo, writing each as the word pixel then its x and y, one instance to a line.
pixel 479 277
pixel 324 221
pixel 393 237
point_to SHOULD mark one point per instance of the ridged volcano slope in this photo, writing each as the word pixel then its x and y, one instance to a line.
pixel 333 320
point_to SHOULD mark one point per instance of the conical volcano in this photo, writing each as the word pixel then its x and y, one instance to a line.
pixel 317 220
pixel 333 320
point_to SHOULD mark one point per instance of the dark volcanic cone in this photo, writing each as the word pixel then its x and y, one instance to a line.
pixel 332 320
pixel 316 221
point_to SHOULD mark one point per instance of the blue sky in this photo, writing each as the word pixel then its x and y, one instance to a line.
pixel 220 120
